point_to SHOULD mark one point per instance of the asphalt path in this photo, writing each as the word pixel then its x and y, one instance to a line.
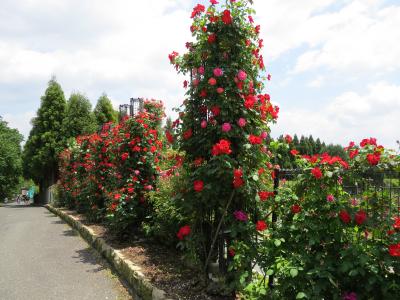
pixel 41 257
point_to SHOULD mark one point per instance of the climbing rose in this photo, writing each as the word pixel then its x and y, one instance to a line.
pixel 183 231
pixel 241 122
pixel 201 70
pixel 249 101
pixel 264 135
pixel 344 216
pixel 373 159
pixel 220 90
pixel 169 137
pixel 261 225
pixel 198 185
pixel 350 296
pixel 296 208
pixel 330 198
pixel 215 110
pixel 353 153
pixel 396 224
pixel 218 72
pixel 240 216
pixel 187 134
pixel 212 81
pixel 124 156
pixel 212 38
pixel 360 217
pixel 255 140
pixel 288 139
pixel 242 75
pixel 394 250
pixel 370 141
pixel 226 17
pixel 237 178
pixel 222 147
pixel 173 56
pixel 197 10
pixel 203 124
pixel 117 196
pixel 213 2
pixel 316 172
pixel 294 152
pixel 264 195
pixel 226 127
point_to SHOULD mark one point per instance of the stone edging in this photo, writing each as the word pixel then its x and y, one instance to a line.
pixel 130 272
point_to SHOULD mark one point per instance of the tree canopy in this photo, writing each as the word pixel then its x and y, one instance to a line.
pixel 46 140
pixel 79 119
pixel 104 111
pixel 10 159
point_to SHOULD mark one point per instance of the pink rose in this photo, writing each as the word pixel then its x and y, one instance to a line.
pixel 220 90
pixel 212 81
pixel 241 122
pixel 195 82
pixel 242 75
pixel 226 127
pixel 203 124
pixel 201 70
pixel 137 172
pixel 330 198
pixel 218 72
pixel 264 134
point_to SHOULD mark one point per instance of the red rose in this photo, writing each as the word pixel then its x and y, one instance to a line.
pixel 124 156
pixel 261 226
pixel 360 217
pixel 212 38
pixel 316 172
pixel 296 208
pixel 344 216
pixel 288 139
pixel 353 153
pixel 183 231
pixel 396 224
pixel 394 250
pixel 169 137
pixel 226 17
pixel 188 134
pixel 198 185
pixel 255 140
pixel 215 110
pixel 117 196
pixel 373 159
pixel 222 147
pixel 294 152
pixel 197 10
pixel 249 102
pixel 264 195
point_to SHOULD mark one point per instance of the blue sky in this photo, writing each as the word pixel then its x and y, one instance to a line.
pixel 335 65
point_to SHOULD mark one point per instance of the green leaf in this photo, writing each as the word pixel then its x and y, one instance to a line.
pixel 277 243
pixel 300 295
pixel 293 272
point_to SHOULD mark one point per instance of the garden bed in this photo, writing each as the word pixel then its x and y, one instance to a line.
pixel 162 266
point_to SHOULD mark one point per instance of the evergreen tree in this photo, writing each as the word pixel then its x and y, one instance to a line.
pixel 104 111
pixel 10 160
pixel 45 141
pixel 79 119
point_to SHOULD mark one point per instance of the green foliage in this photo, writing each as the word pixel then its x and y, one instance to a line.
pixel 104 111
pixel 45 141
pixel 10 160
pixel 79 119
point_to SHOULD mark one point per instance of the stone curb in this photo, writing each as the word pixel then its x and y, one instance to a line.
pixel 125 268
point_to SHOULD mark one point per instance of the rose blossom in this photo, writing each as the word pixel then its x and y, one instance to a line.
pixel 198 185
pixel 220 90
pixel 264 135
pixel 218 72
pixel 203 124
pixel 226 127
pixel 241 122
pixel 241 75
pixel 330 198
pixel 196 82
pixel 201 70
pixel 212 81
pixel 183 231
pixel 240 215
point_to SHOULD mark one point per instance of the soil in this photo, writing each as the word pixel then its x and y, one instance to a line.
pixel 163 266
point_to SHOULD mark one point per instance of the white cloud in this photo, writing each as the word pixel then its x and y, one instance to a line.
pixel 350 116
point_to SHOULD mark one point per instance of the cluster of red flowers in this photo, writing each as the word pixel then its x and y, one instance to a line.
pixel 359 217
pixel 183 231
pixel 372 158
pixel 237 178
pixel 222 147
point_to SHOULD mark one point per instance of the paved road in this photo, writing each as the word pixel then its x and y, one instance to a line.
pixel 42 258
